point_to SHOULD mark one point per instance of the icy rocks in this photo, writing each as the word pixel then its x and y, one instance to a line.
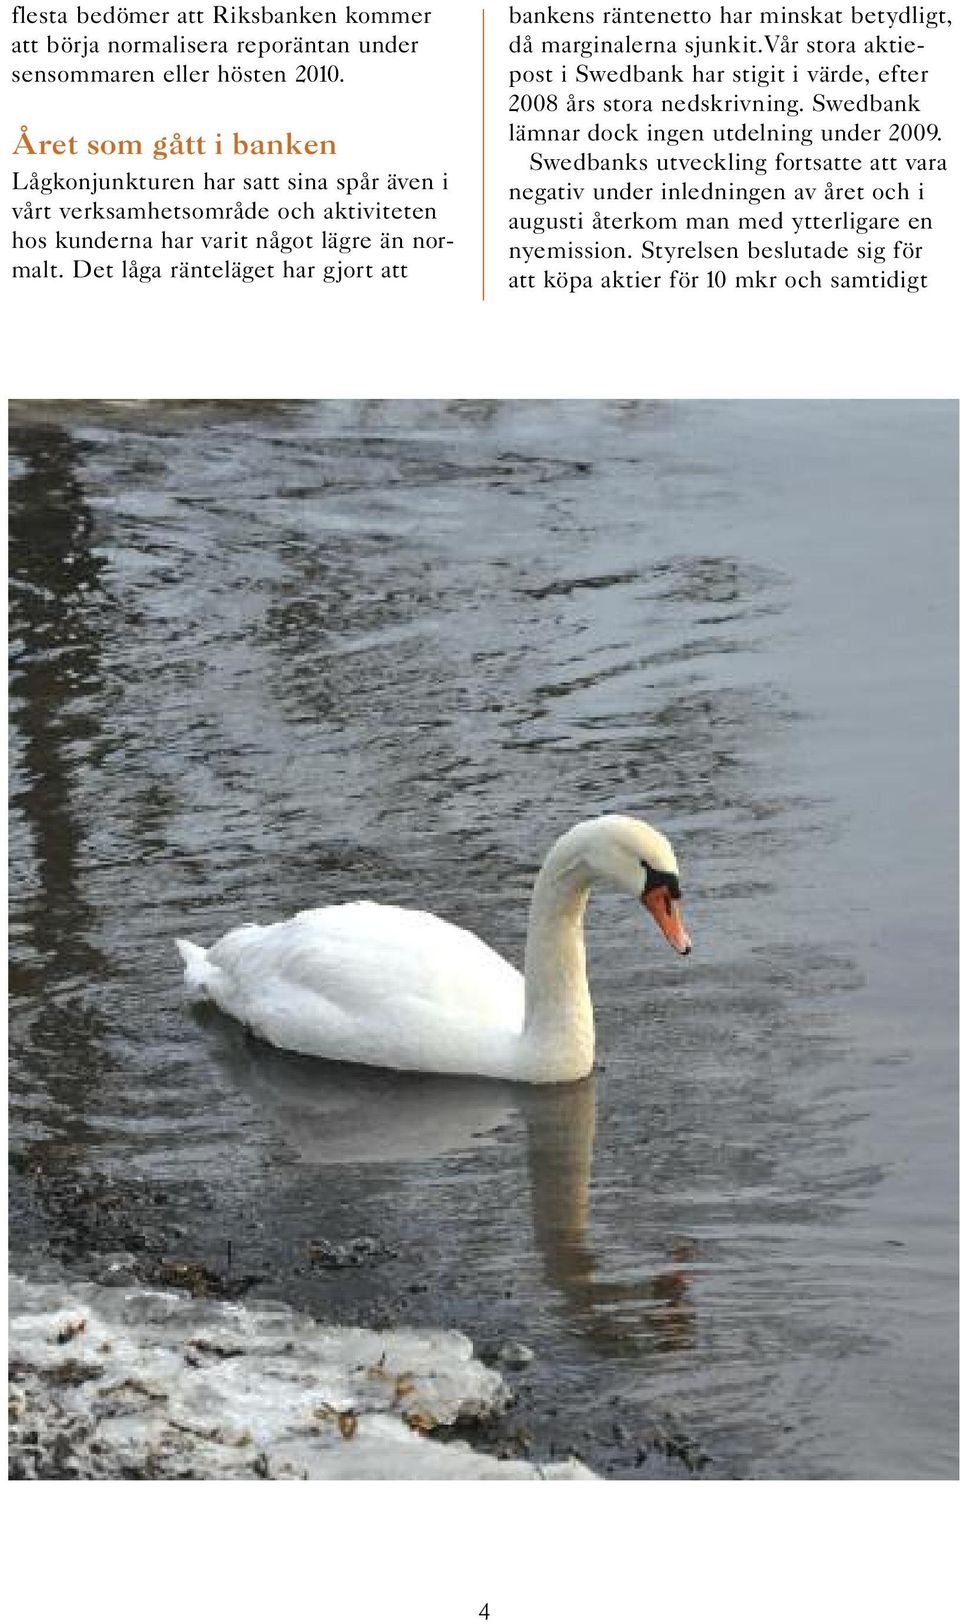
pixel 111 1381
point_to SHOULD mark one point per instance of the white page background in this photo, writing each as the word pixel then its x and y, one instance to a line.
pixel 434 337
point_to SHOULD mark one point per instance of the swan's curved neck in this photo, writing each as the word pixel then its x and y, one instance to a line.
pixel 558 1014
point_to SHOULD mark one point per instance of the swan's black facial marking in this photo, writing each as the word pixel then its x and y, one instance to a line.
pixel 656 880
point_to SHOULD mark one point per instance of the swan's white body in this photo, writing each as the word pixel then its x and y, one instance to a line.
pixel 385 986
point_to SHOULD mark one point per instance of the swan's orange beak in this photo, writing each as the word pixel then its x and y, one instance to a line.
pixel 662 907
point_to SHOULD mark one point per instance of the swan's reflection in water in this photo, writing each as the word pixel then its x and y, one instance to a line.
pixel 334 1114
pixel 653 1313
pixel 330 1114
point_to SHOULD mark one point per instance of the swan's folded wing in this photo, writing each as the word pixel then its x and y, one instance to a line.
pixel 362 953
pixel 373 985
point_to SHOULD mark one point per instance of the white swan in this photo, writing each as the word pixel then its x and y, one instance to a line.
pixel 386 986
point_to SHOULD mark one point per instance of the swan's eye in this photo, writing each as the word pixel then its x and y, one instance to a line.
pixel 657 880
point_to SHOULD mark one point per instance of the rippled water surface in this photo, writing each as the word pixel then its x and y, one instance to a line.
pixel 267 656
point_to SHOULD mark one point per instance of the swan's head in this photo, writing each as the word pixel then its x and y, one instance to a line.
pixel 632 856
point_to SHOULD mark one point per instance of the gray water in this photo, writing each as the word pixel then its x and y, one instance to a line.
pixel 274 655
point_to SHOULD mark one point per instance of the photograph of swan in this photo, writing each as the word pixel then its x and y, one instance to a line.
pixel 553 804
pixel 406 990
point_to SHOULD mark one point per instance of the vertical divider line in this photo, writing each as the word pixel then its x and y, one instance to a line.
pixel 483 155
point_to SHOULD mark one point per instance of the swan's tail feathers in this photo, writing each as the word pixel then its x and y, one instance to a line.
pixel 195 967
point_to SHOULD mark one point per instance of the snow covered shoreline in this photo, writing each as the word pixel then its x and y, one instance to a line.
pixel 113 1381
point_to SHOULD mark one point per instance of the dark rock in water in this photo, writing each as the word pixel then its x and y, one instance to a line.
pixel 199 1280
pixel 510 1354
